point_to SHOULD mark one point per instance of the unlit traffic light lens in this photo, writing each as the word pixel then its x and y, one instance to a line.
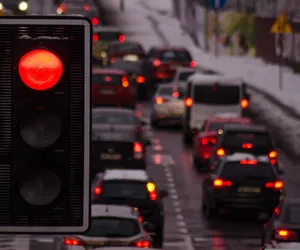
pixel 41 130
pixel 40 189
pixel 40 69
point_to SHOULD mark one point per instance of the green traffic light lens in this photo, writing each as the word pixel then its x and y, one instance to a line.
pixel 41 130
pixel 40 189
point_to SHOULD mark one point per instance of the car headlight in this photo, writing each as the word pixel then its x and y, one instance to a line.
pixel 1 6
pixel 23 6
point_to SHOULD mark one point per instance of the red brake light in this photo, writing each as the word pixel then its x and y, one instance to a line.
pixel 208 141
pixel 73 241
pixel 277 211
pixel 95 21
pixel 193 64
pixel 188 102
pixel 86 7
pixel 248 162
pixel 137 147
pixel 159 100
pixel 122 38
pixel 273 154
pixel 141 219
pixel 285 234
pixel 156 63
pixel 276 185
pixel 30 71
pixel 244 103
pixel 140 79
pixel 97 190
pixel 152 191
pixel 141 244
pixel 175 94
pixel 125 82
pixel 222 183
pixel 95 38
pixel 220 152
pixel 247 145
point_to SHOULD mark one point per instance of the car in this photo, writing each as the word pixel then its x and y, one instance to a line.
pixel 138 75
pixel 250 138
pixel 207 95
pixel 280 245
pixel 284 225
pixel 207 135
pixel 167 105
pixel 165 60
pixel 117 139
pixel 117 50
pixel 181 75
pixel 111 225
pixel 134 188
pixel 242 183
pixel 111 87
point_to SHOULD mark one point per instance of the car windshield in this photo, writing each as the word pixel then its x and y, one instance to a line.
pixel 217 95
pixel 125 47
pixel 113 118
pixel 177 56
pixel 107 79
pixel 166 90
pixel 109 35
pixel 127 190
pixel 113 227
pixel 215 126
pixel 183 76
pixel 235 170
pixel 237 139
pixel 293 214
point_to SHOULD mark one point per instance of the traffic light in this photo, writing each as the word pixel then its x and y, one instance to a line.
pixel 45 110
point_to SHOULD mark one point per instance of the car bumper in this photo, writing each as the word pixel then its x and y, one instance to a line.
pixel 163 114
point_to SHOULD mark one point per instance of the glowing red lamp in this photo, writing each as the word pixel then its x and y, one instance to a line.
pixel 40 69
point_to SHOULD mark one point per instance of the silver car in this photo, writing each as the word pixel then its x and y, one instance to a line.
pixel 111 225
pixel 167 105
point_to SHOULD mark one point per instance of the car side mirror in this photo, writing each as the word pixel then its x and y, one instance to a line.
pixel 163 194
pixel 148 226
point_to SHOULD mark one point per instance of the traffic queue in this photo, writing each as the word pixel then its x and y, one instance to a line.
pixel 240 156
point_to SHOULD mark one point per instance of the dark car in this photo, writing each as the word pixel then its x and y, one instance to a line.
pixel 117 139
pixel 165 60
pixel 117 50
pixel 138 75
pixel 254 139
pixel 136 189
pixel 242 183
pixel 284 225
pixel 111 87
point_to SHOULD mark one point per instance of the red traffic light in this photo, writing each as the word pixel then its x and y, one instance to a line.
pixel 40 69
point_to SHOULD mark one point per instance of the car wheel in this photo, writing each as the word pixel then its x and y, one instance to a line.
pixel 154 123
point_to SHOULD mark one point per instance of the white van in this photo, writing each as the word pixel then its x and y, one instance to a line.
pixel 207 95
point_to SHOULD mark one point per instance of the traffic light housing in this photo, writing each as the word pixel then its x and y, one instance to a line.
pixel 45 124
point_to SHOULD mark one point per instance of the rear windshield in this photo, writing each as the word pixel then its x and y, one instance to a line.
pixel 165 90
pixel 184 76
pixel 293 214
pixel 235 140
pixel 239 171
pixel 134 190
pixel 107 79
pixel 112 136
pixel 126 47
pixel 130 67
pixel 215 126
pixel 112 118
pixel 177 56
pixel 113 227
pixel 109 35
pixel 217 95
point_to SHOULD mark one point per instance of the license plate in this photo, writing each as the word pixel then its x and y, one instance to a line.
pixel 113 157
pixel 249 190
pixel 106 92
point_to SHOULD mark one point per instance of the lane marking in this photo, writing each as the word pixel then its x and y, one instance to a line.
pixel 171 185
pixel 44 240
pixel 157 147
pixel 189 243
pixel 179 217
pixel 170 179
pixel 173 190
pixel 181 224
pixel 182 230
pixel 177 210
pixel 200 239
pixel 174 196
pixel 176 203
pixel 21 242
pixel 168 174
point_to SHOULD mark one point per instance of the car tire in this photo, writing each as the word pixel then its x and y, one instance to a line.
pixel 154 124
pixel 186 139
pixel 158 241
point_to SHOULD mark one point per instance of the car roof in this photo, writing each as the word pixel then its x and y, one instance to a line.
pixel 113 211
pixel 229 119
pixel 226 114
pixel 128 175
pixel 116 110
pixel 126 42
pixel 246 156
pixel 290 245
pixel 244 128
pixel 185 69
pixel 200 78
pixel 174 48
pixel 106 28
pixel 109 71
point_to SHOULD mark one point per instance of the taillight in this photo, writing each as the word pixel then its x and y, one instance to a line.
pixel 244 103
pixel 122 38
pixel 125 82
pixel 277 185
pixel 273 154
pixel 86 7
pixel 175 94
pixel 222 183
pixel 152 191
pixel 193 64
pixel 156 63
pixel 144 243
pixel 112 60
pixel 188 102
pixel 95 21
pixel 141 219
pixel 97 190
pixel 140 79
pixel 137 150
pixel 285 234
pixel 159 100
pixel 73 241
pixel 220 152
pixel 248 162
pixel 95 38
pixel 208 141
pixel 247 145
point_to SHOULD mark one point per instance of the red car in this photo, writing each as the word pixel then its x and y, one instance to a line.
pixel 164 62
pixel 111 87
pixel 118 50
pixel 205 140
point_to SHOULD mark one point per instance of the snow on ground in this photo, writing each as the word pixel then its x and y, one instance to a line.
pixel 142 18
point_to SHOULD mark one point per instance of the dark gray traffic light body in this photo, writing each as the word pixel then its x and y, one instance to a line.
pixel 45 135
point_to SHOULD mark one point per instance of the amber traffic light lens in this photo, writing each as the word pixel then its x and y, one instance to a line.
pixel 41 131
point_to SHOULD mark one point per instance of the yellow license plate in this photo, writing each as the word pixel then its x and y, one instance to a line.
pixel 249 190
pixel 113 157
